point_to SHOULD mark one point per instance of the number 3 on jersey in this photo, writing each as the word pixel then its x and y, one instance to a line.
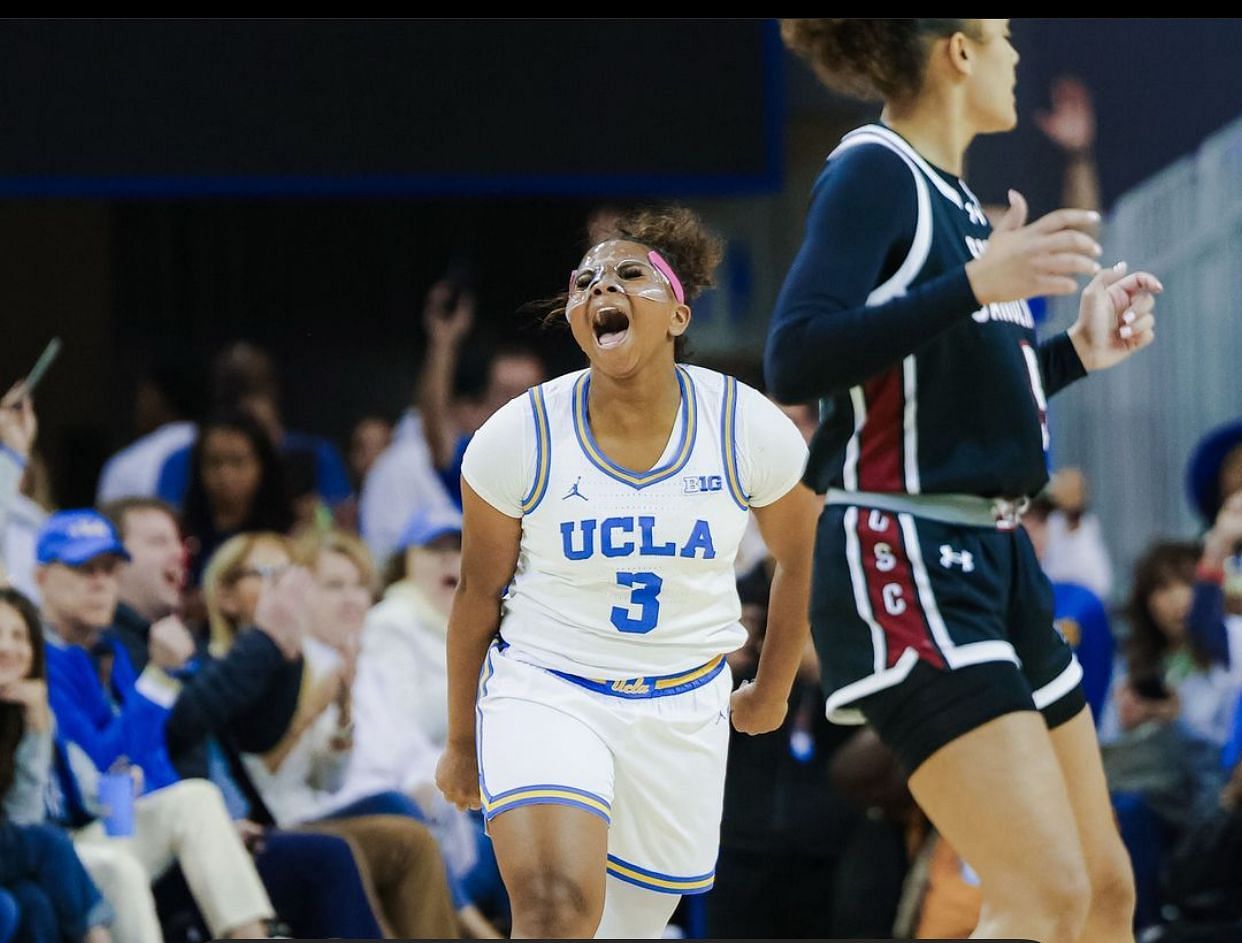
pixel 645 594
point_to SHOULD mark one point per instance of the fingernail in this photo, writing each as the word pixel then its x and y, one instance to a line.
pixel 1119 267
pixel 1013 196
pixel 1128 317
pixel 1126 332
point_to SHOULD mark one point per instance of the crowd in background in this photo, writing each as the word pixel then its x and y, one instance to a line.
pixel 222 688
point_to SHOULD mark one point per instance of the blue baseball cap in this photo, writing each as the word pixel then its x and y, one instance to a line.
pixel 1203 469
pixel 74 537
pixel 428 524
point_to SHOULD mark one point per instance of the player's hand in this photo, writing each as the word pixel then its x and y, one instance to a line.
pixel 457 776
pixel 1116 317
pixel 1023 261
pixel 754 712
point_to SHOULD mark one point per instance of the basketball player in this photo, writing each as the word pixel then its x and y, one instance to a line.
pixel 610 503
pixel 905 314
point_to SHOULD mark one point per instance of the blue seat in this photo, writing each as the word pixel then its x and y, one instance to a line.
pixel 10 916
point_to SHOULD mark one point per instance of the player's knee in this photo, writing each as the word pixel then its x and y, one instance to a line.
pixel 1052 897
pixel 1060 901
pixel 1112 888
pixel 551 903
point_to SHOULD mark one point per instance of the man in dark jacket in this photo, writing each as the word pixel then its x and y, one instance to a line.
pixel 244 700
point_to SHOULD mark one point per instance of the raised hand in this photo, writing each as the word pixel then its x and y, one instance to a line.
pixel 447 322
pixel 1070 125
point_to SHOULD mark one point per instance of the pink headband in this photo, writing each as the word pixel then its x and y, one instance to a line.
pixel 667 271
pixel 661 266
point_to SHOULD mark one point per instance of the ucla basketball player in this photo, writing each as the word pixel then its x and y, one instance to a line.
pixel 906 315
pixel 609 504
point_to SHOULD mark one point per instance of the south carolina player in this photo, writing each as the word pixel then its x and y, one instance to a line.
pixel 904 313
pixel 613 500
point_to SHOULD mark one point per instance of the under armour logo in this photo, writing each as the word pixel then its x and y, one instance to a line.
pixel 976 214
pixel 575 493
pixel 950 558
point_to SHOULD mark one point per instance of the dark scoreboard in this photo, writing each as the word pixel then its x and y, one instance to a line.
pixel 132 108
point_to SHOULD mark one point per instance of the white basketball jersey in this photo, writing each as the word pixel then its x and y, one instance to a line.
pixel 621 573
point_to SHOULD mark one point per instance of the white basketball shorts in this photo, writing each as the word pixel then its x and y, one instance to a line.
pixel 646 755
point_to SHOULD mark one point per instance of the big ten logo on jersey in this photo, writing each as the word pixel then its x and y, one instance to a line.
pixel 886 562
pixel 698 484
pixel 1011 312
pixel 627 536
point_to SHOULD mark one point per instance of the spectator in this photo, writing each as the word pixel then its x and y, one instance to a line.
pixel 299 779
pixel 109 707
pixel 1071 126
pixel 246 699
pixel 244 379
pixel 122 722
pixel 1077 612
pixel 56 897
pixel 1172 672
pixel 401 698
pixel 20 517
pixel 420 470
pixel 367 442
pixel 400 483
pixel 237 483
pixel 1075 551
pixel 1213 477
pixel 402 687
pixel 448 425
pixel 165 407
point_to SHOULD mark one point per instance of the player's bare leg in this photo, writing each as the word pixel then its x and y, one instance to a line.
pixel 997 796
pixel 1110 918
pixel 553 860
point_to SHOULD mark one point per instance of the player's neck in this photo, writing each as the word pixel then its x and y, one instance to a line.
pixel 936 126
pixel 642 402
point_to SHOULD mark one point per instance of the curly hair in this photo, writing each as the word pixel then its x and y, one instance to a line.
pixel 679 235
pixel 871 59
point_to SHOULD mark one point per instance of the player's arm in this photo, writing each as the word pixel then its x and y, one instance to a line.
pixel 489 552
pixel 825 337
pixel 788 529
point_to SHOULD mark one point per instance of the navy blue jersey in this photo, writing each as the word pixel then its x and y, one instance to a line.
pixel 922 389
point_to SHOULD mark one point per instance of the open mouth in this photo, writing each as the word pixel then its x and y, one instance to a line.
pixel 611 326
